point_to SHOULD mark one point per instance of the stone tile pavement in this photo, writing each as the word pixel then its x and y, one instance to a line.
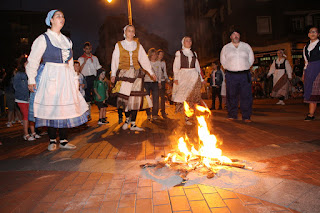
pixel 47 191
pixel 93 178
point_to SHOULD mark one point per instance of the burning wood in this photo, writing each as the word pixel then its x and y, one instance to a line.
pixel 206 160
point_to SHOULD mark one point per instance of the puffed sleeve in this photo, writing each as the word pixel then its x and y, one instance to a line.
pixel 305 58
pixel 144 60
pixel 288 69
pixel 115 60
pixel 251 55
pixel 197 65
pixel 176 66
pixel 272 68
pixel 38 47
pixel 97 63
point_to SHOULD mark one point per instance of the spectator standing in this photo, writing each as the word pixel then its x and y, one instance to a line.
pixel 152 86
pixel 100 88
pixel 89 66
pixel 216 80
pixel 237 57
pixel 162 86
pixel 20 84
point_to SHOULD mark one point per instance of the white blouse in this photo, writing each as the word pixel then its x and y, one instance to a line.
pixel 130 46
pixel 287 66
pixel 38 48
pixel 177 62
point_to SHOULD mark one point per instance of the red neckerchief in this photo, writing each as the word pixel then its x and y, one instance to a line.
pixel 85 56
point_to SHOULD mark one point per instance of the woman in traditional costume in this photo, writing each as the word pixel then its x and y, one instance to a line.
pixel 282 74
pixel 127 57
pixel 55 101
pixel 311 74
pixel 187 77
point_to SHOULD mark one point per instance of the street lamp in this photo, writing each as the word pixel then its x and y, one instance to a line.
pixel 129 10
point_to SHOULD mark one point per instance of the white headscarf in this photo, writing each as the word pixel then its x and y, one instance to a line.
pixel 186 51
pixel 125 28
pixel 284 55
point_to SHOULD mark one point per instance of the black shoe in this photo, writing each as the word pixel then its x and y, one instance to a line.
pixel 309 118
pixel 104 120
pixel 220 108
pixel 212 108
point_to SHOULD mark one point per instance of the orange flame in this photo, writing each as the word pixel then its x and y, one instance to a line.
pixel 203 109
pixel 188 111
pixel 208 151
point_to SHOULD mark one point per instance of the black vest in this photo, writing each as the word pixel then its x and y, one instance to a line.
pixel 314 54
pixel 280 66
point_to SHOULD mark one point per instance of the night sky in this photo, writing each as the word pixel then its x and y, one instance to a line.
pixel 84 17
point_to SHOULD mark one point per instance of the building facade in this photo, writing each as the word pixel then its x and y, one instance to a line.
pixel 267 25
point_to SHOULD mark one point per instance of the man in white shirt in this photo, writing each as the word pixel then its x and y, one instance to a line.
pixel 237 57
pixel 89 66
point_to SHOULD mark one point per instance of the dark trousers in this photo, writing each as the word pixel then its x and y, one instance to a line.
pixel 163 98
pixel 154 88
pixel 120 113
pixel 89 90
pixel 2 106
pixel 216 91
pixel 239 88
pixel 132 114
pixel 63 133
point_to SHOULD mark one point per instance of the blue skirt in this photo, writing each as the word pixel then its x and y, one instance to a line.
pixel 58 123
pixel 312 82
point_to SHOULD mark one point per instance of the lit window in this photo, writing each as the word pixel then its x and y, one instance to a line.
pixel 297 24
pixel 264 25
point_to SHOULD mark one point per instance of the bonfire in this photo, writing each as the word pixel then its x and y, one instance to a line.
pixel 207 159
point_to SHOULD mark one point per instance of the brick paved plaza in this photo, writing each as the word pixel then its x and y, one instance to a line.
pixel 103 174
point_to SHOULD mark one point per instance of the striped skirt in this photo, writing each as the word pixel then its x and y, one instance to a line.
pixel 130 91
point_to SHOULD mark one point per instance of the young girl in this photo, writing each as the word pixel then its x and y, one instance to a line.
pixel 100 88
pixel 311 74
pixel 55 101
pixel 152 86
pixel 20 84
pixel 82 81
pixel 127 57
pixel 162 85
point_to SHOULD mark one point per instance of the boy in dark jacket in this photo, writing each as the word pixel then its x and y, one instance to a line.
pixel 216 82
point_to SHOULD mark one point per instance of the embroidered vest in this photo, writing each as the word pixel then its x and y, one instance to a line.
pixel 314 54
pixel 185 61
pixel 124 62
